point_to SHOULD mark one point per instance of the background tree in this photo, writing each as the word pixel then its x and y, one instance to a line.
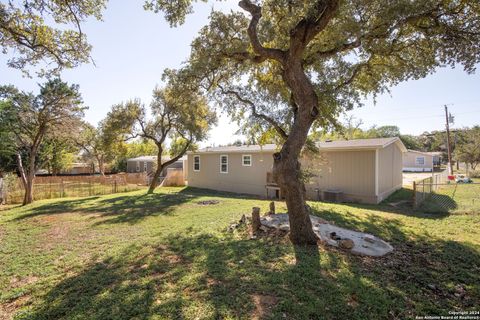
pixel 178 116
pixel 58 107
pixel 297 65
pixel 468 147
pixel 58 152
pixel 99 144
pixel 7 141
pixel 30 39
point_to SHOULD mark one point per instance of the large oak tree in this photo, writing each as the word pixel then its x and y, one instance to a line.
pixel 293 65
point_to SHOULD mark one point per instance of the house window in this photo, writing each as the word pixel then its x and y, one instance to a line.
pixel 138 166
pixel 145 166
pixel 246 160
pixel 196 163
pixel 224 164
pixel 419 161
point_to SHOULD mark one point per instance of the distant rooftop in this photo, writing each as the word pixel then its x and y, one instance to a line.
pixel 325 145
pixel 359 143
pixel 153 158
pixel 423 152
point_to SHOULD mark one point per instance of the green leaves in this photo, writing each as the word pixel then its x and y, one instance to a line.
pixel 467 148
pixel 33 41
pixel 56 111
pixel 365 48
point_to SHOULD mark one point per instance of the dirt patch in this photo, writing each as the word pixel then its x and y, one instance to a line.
pixel 208 202
pixel 263 305
pixel 212 282
pixel 174 258
pixel 7 310
pixel 20 282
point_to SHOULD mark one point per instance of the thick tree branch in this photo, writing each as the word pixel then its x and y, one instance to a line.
pixel 253 108
pixel 307 28
pixel 258 48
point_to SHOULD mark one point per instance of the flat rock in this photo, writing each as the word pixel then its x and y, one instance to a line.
pixel 363 243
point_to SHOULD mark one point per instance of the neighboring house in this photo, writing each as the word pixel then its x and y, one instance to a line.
pixel 79 168
pixel 417 161
pixel 148 163
pixel 366 170
pixel 141 164
pixel 437 158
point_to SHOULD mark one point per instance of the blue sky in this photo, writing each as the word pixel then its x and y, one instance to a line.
pixel 132 47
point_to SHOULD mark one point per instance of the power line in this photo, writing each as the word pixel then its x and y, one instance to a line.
pixel 419 107
pixel 423 117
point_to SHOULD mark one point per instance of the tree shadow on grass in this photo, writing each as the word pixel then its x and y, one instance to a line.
pixel 128 208
pixel 215 277
pixel 117 209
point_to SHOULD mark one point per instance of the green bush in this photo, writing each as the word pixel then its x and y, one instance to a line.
pixel 474 174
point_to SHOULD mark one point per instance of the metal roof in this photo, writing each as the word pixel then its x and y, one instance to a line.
pixel 243 148
pixel 375 143
pixel 355 144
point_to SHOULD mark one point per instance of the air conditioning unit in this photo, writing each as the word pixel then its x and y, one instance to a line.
pixel 333 195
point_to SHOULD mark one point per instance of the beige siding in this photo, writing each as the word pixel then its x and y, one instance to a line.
pixel 409 160
pixel 389 171
pixel 185 170
pixel 239 179
pixel 352 172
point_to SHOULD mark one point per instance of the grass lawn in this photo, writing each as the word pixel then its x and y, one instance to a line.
pixel 455 198
pixel 164 256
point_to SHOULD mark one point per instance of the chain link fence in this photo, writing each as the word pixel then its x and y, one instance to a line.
pixel 438 194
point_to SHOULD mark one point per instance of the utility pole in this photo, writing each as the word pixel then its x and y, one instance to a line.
pixel 449 150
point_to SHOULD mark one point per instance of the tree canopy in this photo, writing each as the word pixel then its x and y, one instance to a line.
pixel 179 116
pixel 29 118
pixel 468 147
pixel 48 32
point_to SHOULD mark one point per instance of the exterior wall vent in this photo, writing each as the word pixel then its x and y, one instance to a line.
pixel 333 196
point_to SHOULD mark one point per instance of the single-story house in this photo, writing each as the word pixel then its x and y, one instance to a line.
pixel 364 170
pixel 437 158
pixel 417 161
pixel 147 164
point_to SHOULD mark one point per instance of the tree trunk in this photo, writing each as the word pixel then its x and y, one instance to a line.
pixel 28 198
pixel 154 182
pixel 158 171
pixel 21 170
pixel 286 167
pixel 101 165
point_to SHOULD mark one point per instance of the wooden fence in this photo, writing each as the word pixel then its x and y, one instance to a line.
pixel 49 187
pixel 174 178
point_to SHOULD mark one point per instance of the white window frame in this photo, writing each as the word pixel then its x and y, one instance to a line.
pixel 144 166
pixel 221 156
pixel 420 164
pixel 243 160
pixel 196 157
pixel 137 168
